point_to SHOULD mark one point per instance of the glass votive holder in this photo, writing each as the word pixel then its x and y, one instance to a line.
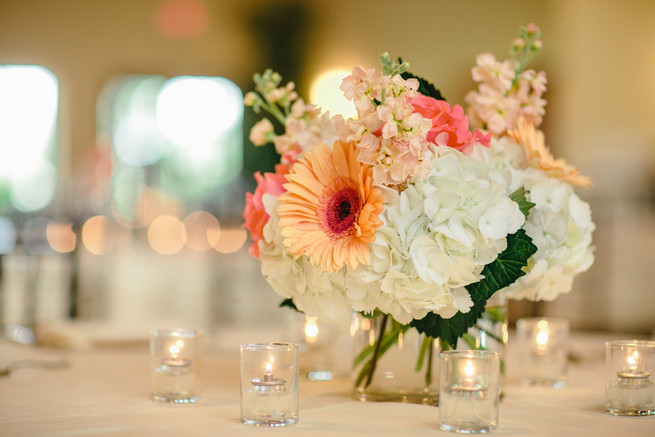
pixel 176 361
pixel 469 391
pixel 269 384
pixel 543 350
pixel 629 368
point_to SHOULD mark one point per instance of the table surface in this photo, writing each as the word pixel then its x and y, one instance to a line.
pixel 105 392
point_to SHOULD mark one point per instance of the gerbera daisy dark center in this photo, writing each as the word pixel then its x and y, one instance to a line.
pixel 342 211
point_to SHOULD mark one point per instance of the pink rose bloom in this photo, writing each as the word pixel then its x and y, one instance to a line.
pixel 449 124
pixel 254 214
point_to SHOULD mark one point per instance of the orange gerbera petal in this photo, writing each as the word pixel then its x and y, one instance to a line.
pixel 538 155
pixel 331 208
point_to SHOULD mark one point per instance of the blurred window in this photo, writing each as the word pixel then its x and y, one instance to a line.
pixel 29 102
pixel 176 140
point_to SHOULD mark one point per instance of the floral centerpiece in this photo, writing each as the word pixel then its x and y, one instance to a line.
pixel 415 212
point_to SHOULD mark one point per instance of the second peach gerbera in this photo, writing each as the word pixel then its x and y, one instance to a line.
pixel 538 155
pixel 330 210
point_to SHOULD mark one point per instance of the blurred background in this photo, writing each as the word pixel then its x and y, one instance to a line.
pixel 124 151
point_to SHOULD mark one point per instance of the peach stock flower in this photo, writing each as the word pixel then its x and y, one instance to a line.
pixel 330 210
pixel 254 214
pixel 538 156
pixel 450 127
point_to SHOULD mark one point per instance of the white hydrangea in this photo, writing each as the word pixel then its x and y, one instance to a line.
pixel 438 234
pixel 313 291
pixel 560 225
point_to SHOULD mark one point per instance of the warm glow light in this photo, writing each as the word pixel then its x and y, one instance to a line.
pixel 268 369
pixel 182 18
pixel 94 234
pixel 469 369
pixel 203 230
pixel 29 98
pixel 61 237
pixel 193 112
pixel 542 338
pixel 325 93
pixel 632 360
pixel 311 330
pixel 175 351
pixel 167 235
pixel 232 239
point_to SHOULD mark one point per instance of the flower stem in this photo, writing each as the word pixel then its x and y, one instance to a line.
pixel 378 343
pixel 495 337
pixel 428 372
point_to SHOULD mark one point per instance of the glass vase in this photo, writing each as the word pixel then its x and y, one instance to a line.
pixel 490 332
pixel 393 362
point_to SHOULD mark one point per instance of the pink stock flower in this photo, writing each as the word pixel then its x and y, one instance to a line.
pixel 449 124
pixel 254 214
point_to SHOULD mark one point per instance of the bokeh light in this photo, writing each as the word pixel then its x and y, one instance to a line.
pixel 203 230
pixel 232 239
pixel 324 92
pixel 61 237
pixel 94 234
pixel 182 18
pixel 167 235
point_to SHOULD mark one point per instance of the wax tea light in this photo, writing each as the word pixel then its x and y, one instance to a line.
pixel 468 399
pixel 176 360
pixel 543 344
pixel 629 367
pixel 269 384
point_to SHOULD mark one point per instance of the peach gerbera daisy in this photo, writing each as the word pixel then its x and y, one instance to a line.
pixel 538 156
pixel 330 210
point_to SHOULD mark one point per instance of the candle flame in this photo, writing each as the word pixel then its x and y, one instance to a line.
pixel 269 369
pixel 469 369
pixel 174 350
pixel 542 339
pixel 311 330
pixel 632 361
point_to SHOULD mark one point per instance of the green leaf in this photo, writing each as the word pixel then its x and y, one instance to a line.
pixel 505 269
pixel 424 87
pixel 289 303
pixel 502 272
pixel 525 206
pixel 449 330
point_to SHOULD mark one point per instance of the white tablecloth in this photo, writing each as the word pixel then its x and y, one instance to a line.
pixel 105 392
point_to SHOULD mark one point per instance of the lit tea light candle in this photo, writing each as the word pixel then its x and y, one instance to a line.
pixel 633 389
pixel 468 402
pixel 469 386
pixel 544 355
pixel 177 362
pixel 311 330
pixel 174 360
pixel 542 337
pixel 270 399
pixel 268 384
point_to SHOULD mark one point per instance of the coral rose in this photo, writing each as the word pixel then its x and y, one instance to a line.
pixel 254 213
pixel 449 124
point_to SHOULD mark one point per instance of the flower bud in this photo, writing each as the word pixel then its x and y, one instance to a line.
pixel 532 29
